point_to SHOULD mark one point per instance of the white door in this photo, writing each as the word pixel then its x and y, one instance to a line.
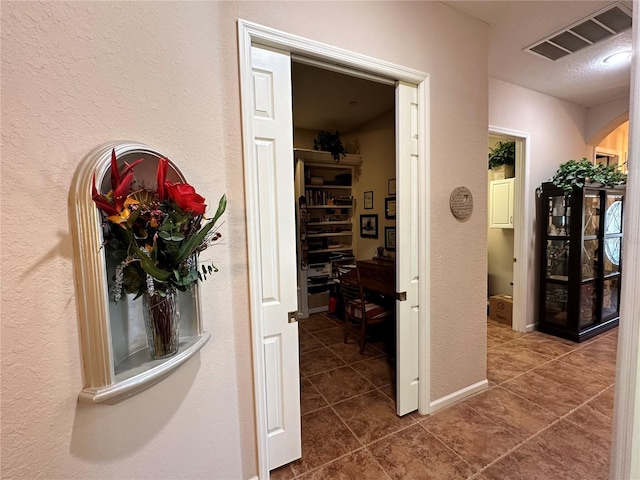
pixel 407 248
pixel 273 149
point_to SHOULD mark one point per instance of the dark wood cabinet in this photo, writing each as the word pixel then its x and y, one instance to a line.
pixel 580 248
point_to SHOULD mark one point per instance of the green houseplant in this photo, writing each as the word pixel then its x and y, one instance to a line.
pixel 502 158
pixel 330 142
pixel 580 172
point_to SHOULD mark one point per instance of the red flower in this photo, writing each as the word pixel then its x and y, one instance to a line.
pixel 113 202
pixel 161 177
pixel 186 197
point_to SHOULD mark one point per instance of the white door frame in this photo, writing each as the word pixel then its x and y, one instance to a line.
pixel 523 236
pixel 251 33
pixel 625 460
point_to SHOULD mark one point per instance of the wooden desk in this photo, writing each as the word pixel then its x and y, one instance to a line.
pixel 378 275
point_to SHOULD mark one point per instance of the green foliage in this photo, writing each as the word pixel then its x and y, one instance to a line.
pixel 168 248
pixel 578 173
pixel 503 153
pixel 330 142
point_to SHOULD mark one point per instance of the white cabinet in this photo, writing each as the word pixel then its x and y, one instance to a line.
pixel 324 194
pixel 501 198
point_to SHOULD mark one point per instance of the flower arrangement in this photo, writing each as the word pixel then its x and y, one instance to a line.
pixel 154 236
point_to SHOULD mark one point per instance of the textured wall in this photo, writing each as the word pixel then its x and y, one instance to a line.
pixel 557 135
pixel 75 75
pixel 377 146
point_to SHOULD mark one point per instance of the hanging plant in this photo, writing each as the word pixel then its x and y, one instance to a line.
pixel 330 142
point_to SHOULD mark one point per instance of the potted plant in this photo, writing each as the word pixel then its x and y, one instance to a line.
pixel 579 173
pixel 502 158
pixel 330 142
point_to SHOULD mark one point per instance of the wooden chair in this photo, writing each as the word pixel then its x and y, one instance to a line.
pixel 359 312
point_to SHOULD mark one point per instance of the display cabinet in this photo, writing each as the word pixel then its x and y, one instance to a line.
pixel 324 190
pixel 580 260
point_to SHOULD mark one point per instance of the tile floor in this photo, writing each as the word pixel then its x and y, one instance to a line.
pixel 546 415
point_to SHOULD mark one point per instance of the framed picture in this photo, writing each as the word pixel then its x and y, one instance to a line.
pixel 368 200
pixel 390 238
pixel 392 186
pixel 390 207
pixel 369 226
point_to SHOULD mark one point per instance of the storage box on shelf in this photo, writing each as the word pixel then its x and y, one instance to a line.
pixel 324 191
pixel 580 262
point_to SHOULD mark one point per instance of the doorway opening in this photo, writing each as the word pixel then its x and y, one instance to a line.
pixel 265 59
pixel 508 273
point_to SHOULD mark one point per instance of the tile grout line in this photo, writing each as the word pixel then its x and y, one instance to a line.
pixel 559 419
pixel 446 445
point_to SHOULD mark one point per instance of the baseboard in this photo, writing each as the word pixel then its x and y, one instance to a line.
pixel 254 478
pixel 458 395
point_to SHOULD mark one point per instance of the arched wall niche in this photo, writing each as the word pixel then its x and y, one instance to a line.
pixel 115 359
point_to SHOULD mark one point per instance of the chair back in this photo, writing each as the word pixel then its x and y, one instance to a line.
pixel 351 288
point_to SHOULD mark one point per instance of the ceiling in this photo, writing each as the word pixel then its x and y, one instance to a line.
pixel 324 100
pixel 581 77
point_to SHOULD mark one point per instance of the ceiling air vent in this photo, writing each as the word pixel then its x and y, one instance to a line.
pixel 595 28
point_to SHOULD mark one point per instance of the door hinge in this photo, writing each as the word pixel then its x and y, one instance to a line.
pixel 401 296
pixel 293 317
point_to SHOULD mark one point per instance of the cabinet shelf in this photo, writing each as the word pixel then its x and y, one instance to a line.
pixel 329 187
pixel 345 222
pixel 332 207
pixel 329 234
pixel 327 250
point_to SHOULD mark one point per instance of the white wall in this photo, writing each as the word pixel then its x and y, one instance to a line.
pixel 78 74
pixel 557 135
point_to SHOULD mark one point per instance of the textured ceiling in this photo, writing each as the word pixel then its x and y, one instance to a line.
pixel 581 77
pixel 321 99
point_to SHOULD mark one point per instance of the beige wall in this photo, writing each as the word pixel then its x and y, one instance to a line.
pixel 378 149
pixel 76 75
pixel 557 135
pixel 617 142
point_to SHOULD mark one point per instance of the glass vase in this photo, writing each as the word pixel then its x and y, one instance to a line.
pixel 162 321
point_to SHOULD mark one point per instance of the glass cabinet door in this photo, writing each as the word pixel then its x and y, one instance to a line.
pixel 559 215
pixel 588 305
pixel 556 298
pixel 611 298
pixel 590 259
pixel 591 224
pixel 558 259
pixel 613 215
pixel 612 234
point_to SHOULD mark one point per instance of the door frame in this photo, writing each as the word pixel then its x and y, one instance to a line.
pixel 250 33
pixel 522 237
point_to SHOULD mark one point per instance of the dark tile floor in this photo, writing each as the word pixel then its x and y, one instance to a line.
pixel 547 413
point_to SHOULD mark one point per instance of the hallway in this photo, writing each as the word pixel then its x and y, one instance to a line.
pixel 546 415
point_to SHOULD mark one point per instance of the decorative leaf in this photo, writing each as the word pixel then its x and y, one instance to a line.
pixel 188 247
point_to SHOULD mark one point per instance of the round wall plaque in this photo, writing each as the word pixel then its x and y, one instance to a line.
pixel 461 203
